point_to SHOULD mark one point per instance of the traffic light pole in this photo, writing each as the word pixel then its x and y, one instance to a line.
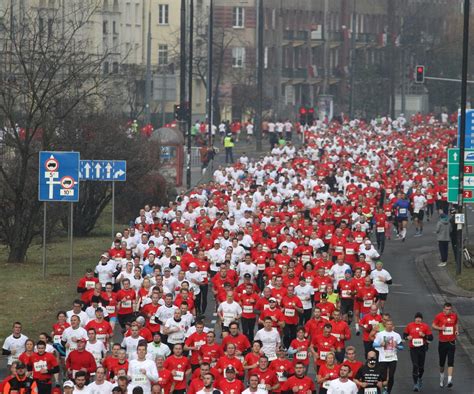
pixel 190 92
pixel 182 69
pixel 462 132
pixel 260 65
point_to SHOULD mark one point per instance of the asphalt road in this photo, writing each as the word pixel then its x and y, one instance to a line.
pixel 410 294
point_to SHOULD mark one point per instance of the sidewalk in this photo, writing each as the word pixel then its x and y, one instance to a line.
pixel 444 289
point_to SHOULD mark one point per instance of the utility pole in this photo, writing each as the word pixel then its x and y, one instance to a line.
pixel 260 66
pixel 391 55
pixel 190 91
pixel 326 47
pixel 182 69
pixel 148 72
pixel 462 132
pixel 210 60
pixel 353 61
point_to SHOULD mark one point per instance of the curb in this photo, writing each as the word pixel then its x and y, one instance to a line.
pixel 439 295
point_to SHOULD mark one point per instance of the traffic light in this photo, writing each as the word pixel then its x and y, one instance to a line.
pixel 177 111
pixel 310 116
pixel 303 115
pixel 420 74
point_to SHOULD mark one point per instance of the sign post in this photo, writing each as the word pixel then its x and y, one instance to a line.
pixel 454 159
pixel 58 181
pixel 105 170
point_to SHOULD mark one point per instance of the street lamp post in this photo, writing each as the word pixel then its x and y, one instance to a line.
pixel 462 132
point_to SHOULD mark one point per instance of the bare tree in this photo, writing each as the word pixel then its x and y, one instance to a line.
pixel 48 66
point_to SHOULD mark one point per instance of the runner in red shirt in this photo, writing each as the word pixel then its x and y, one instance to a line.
pixel 229 384
pixel 446 323
pixel 180 369
pixel 418 334
pixel 328 371
pixel 299 383
pixel 267 377
pixel 210 352
pixel 194 343
pixel 300 348
pixel 165 379
pixel 352 362
pixel 292 308
pixel 322 344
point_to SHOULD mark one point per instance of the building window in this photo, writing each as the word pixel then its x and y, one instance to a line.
pixel 115 67
pixel 114 27
pixel 105 27
pixel 162 55
pixel 106 67
pixel 238 57
pixel 163 14
pixel 238 17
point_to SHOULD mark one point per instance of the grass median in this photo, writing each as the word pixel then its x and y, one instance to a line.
pixel 466 279
pixel 34 301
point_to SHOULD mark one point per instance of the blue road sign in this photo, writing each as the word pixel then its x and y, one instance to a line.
pixel 103 170
pixel 469 141
pixel 58 176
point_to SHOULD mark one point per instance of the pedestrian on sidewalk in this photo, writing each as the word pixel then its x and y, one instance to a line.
pixel 442 230
pixel 229 146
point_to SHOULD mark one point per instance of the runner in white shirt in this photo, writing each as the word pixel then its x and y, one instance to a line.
pixel 338 270
pixel 95 347
pixel 387 343
pixel 253 386
pixel 208 381
pixel 270 338
pixel 100 385
pixel 343 385
pixel 77 311
pixel 175 328
pixel 130 343
pixel 419 207
pixel 14 344
pixel 157 349
pixel 305 292
pixel 381 279
pixel 229 310
pixel 73 334
pixel 142 371
pixel 165 312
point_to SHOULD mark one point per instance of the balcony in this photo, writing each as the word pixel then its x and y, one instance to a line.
pixel 365 39
pixel 295 73
pixel 295 37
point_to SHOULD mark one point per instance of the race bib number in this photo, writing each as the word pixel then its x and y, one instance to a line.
pixel 271 356
pixel 281 377
pixel 326 384
pixel 389 355
pixel 203 274
pixel 323 355
pixel 57 338
pixel 247 309
pixel 262 386
pixel 448 331
pixel 289 312
pixel 328 236
pixel 349 251
pixel 417 342
pixel 380 229
pixel 368 303
pixel 90 284
pixel 110 309
pixel 322 288
pixel 126 304
pixel 429 196
pixel 139 378
pixel 370 390
pixel 346 294
pixel 198 344
pixel 261 267
pixel 338 249
pixel 305 258
pixel 102 337
pixel 302 355
pixel 179 376
pixel 402 211
pixel 359 240
pixel 39 365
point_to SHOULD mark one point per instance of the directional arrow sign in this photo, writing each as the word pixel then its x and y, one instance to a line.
pixel 453 175
pixel 103 170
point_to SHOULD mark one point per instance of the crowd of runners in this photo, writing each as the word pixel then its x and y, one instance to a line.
pixel 286 251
